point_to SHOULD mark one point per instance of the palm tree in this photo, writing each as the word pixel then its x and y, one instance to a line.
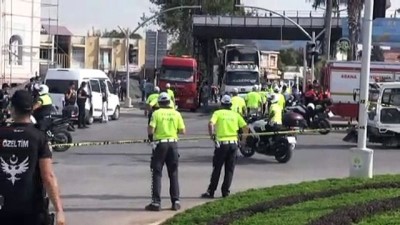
pixel 354 8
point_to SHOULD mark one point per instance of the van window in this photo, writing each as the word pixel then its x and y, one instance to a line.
pixel 110 87
pixel 60 86
pixel 95 85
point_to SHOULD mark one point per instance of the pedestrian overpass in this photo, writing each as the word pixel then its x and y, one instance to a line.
pixel 261 28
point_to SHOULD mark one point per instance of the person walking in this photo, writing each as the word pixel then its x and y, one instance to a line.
pixel 223 129
pixel 104 92
pixel 163 129
pixel 27 170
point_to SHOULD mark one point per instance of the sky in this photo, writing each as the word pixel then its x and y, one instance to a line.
pixel 79 16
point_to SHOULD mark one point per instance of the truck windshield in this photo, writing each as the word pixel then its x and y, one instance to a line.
pixel 391 100
pixel 242 78
pixel 177 74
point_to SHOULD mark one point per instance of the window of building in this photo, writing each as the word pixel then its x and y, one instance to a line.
pixel 272 61
pixel 16 50
pixel 44 54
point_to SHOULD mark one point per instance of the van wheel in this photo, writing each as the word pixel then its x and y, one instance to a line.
pixel 90 119
pixel 116 114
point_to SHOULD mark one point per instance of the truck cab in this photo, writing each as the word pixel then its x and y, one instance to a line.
pixel 181 73
pixel 240 75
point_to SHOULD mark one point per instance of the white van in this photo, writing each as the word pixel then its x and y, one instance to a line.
pixel 58 81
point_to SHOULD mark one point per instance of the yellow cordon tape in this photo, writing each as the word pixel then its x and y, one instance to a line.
pixel 205 137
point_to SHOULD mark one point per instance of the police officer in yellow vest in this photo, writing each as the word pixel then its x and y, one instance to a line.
pixel 223 129
pixel 238 103
pixel 275 112
pixel 154 96
pixel 253 100
pixel 280 97
pixel 163 131
pixel 170 92
pixel 42 108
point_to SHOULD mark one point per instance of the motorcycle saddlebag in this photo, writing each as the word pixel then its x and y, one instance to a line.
pixel 292 119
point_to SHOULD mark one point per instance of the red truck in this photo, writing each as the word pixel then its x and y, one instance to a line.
pixel 181 73
pixel 342 79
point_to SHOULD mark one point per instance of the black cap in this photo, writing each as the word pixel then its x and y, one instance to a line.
pixel 22 101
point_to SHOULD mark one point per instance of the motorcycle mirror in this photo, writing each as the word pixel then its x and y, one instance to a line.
pixel 354 96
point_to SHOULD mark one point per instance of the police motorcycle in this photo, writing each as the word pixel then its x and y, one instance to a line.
pixel 57 132
pixel 280 146
pixel 316 117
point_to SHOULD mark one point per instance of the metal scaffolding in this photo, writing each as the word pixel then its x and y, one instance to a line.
pixel 50 18
pixel 13 46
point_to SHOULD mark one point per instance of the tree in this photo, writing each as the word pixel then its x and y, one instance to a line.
pixel 118 34
pixel 178 23
pixel 354 8
pixel 289 57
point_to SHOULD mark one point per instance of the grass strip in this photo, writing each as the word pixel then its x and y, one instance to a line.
pixel 353 214
pixel 387 218
pixel 267 206
pixel 305 212
pixel 207 212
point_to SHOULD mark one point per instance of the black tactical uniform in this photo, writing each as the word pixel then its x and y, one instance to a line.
pixel 21 148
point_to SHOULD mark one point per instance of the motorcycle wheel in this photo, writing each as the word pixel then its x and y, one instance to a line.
pixel 283 152
pixel 62 137
pixel 247 151
pixel 324 124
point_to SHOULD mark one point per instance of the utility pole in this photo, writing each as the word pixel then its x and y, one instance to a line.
pixel 128 100
pixel 361 157
pixel 313 58
pixel 328 25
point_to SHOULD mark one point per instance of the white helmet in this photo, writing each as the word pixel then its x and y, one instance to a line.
pixel 168 85
pixel 255 87
pixel 311 106
pixel 43 89
pixel 273 99
pixel 235 91
pixel 157 89
pixel 276 88
pixel 226 100
pixel 164 97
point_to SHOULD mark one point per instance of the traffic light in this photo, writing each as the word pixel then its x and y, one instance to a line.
pixel 379 9
pixel 312 52
pixel 132 54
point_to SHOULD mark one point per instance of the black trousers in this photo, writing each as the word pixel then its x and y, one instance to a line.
pixel 81 115
pixel 22 220
pixel 149 116
pixel 224 155
pixel 165 153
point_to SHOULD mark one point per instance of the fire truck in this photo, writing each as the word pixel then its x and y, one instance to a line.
pixel 181 73
pixel 342 79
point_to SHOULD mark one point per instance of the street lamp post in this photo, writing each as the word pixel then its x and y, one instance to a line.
pixel 127 33
pixel 312 37
pixel 128 100
pixel 361 164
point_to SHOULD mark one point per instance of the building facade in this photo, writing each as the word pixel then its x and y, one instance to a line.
pixel 19 39
pixel 93 52
pixel 269 63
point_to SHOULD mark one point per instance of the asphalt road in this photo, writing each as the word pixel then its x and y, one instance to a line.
pixel 110 185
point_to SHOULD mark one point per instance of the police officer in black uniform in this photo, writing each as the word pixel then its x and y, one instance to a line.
pixel 26 170
pixel 82 97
